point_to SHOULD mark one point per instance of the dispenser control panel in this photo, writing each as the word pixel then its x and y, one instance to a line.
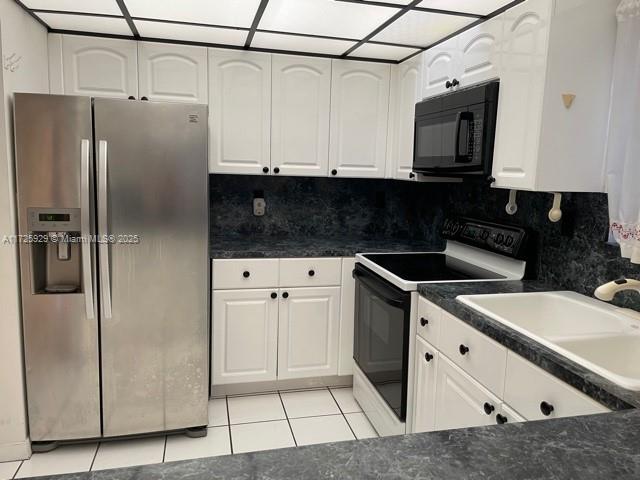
pixel 54 219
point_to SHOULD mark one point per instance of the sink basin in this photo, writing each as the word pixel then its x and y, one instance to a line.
pixel 600 337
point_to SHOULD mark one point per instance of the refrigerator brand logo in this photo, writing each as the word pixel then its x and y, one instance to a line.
pixel 193 118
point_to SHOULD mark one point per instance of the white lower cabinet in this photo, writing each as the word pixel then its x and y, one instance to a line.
pixel 245 336
pixel 460 400
pixel 309 323
pixel 426 366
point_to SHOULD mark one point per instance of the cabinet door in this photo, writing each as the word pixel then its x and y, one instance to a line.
pixel 239 111
pixel 300 115
pixel 460 400
pixel 359 117
pixel 522 81
pixel 405 84
pixel 244 336
pixel 426 366
pixel 308 332
pixel 101 67
pixel 479 53
pixel 440 66
pixel 175 73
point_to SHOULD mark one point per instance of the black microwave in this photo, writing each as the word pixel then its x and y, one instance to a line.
pixel 455 132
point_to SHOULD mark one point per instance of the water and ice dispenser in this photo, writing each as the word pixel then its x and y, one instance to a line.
pixel 55 244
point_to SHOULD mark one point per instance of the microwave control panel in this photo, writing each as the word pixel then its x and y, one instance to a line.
pixel 504 239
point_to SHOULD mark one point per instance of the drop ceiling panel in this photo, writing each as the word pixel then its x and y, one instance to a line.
pixel 386 52
pixel 236 13
pixel 480 7
pixel 398 2
pixel 300 44
pixel 190 33
pixel 324 17
pixel 421 28
pixel 85 23
pixel 109 7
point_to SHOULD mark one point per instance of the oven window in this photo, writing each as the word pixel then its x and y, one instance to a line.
pixel 381 345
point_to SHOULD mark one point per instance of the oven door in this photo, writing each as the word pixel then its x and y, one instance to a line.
pixel 381 340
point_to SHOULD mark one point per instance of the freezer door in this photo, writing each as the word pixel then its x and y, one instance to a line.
pixel 152 190
pixel 54 177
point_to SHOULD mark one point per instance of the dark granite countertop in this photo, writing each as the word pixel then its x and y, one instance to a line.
pixel 261 246
pixel 444 295
pixel 589 447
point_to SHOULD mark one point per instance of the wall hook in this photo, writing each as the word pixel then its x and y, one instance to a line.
pixel 555 214
pixel 512 206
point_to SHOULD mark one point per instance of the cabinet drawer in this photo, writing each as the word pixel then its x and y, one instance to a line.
pixel 478 355
pixel 527 386
pixel 309 272
pixel 429 320
pixel 245 273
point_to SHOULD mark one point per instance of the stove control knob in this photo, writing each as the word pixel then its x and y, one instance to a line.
pixel 500 239
pixel 508 241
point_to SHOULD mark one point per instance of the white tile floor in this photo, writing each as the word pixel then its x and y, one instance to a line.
pixel 237 424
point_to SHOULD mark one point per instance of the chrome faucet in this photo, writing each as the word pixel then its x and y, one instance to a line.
pixel 607 291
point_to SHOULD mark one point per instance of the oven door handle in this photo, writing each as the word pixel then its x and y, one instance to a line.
pixel 457 158
pixel 384 292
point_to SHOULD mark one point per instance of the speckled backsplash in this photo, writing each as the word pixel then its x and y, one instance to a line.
pixel 573 253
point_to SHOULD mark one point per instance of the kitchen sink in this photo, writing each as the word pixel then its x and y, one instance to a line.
pixel 599 336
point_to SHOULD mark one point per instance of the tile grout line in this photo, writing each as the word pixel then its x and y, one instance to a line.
pixel 295 442
pixel 164 451
pixel 93 460
pixel 17 469
pixel 343 415
pixel 226 402
pixel 291 418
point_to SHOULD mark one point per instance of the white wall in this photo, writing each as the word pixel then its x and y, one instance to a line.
pixel 22 35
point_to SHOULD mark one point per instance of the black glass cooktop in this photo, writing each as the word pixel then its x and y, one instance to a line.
pixel 430 267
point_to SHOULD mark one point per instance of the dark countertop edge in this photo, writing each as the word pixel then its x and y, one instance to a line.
pixel 588 382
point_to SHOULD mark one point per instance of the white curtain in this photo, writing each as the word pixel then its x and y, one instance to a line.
pixel 623 146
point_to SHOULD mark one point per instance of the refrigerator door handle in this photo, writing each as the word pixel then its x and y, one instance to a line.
pixel 103 227
pixel 85 227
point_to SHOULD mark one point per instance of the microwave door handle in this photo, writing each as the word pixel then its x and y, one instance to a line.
pixel 380 290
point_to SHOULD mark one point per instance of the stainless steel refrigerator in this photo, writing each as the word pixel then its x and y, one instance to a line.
pixel 112 200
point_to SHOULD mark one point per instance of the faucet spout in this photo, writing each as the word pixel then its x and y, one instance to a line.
pixel 609 290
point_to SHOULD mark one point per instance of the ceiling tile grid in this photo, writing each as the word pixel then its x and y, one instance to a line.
pixel 385 30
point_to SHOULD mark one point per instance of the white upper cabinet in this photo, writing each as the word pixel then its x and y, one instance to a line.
pixel 555 78
pixel 101 67
pixel 174 73
pixel 405 88
pixel 479 53
pixel 300 115
pixel 309 329
pixel 359 116
pixel 239 111
pixel 441 63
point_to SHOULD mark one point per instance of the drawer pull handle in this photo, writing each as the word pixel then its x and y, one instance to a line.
pixel 312 273
pixel 424 322
pixel 546 408
pixel 463 349
pixel 488 408
pixel 501 419
pixel 274 295
pixel 428 357
pixel 285 295
pixel 246 274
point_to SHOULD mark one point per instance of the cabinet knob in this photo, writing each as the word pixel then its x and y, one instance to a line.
pixel 488 408
pixel 463 349
pixel 285 295
pixel 265 169
pixel 448 84
pixel 428 357
pixel 546 408
pixel 491 179
pixel 274 295
pixel 501 419
pixel 312 273
pixel 412 175
pixel 144 99
pixel 246 274
pixel 424 322
pixel 334 172
pixel 276 170
pixel 455 82
pixel 131 97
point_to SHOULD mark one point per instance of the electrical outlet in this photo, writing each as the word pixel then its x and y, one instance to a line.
pixel 259 206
